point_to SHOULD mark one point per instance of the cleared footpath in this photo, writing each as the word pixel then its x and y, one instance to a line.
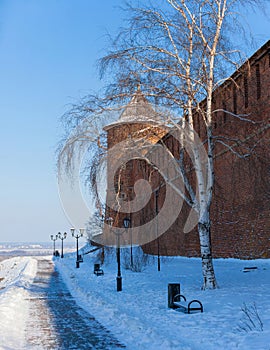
pixel 56 321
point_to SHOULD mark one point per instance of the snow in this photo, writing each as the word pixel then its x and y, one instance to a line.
pixel 16 274
pixel 139 316
pixel 31 248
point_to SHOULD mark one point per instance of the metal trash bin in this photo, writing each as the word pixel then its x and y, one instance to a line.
pixel 173 290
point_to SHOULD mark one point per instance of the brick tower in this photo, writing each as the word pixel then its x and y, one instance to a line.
pixel 138 123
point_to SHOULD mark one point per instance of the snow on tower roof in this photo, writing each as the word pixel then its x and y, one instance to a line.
pixel 138 110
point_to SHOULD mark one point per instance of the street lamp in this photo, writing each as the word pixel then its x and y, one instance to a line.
pixel 127 224
pixel 157 210
pixel 77 238
pixel 62 236
pixel 118 277
pixel 53 239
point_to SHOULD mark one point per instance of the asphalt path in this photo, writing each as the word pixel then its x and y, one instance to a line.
pixel 56 321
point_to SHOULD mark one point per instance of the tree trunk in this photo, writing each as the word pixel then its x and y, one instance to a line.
pixel 209 279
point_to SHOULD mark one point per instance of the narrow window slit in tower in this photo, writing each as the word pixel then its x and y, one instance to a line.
pixel 258 81
pixel 224 112
pixel 246 91
pixel 234 100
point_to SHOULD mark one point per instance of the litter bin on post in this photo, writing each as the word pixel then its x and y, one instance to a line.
pixel 173 290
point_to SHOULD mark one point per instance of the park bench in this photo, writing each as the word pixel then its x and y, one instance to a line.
pixel 250 268
pixel 97 270
pixel 193 306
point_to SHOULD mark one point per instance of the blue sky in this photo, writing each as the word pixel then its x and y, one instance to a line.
pixel 48 54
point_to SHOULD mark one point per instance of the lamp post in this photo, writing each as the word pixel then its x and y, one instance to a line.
pixel 53 239
pixel 127 224
pixel 158 251
pixel 77 243
pixel 62 236
pixel 118 257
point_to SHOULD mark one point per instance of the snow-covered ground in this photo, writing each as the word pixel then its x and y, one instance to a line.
pixel 139 316
pixel 16 275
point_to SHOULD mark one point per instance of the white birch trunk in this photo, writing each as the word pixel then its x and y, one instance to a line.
pixel 209 279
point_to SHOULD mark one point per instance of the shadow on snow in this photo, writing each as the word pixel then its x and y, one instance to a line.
pixel 57 322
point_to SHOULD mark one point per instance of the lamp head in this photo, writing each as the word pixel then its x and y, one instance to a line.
pixel 82 231
pixel 126 222
pixel 109 221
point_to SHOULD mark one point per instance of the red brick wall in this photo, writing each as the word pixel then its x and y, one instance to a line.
pixel 240 212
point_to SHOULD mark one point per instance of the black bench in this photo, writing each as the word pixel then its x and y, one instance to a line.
pixel 192 306
pixel 97 270
pixel 250 268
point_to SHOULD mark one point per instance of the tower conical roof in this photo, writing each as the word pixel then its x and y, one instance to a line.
pixel 138 110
